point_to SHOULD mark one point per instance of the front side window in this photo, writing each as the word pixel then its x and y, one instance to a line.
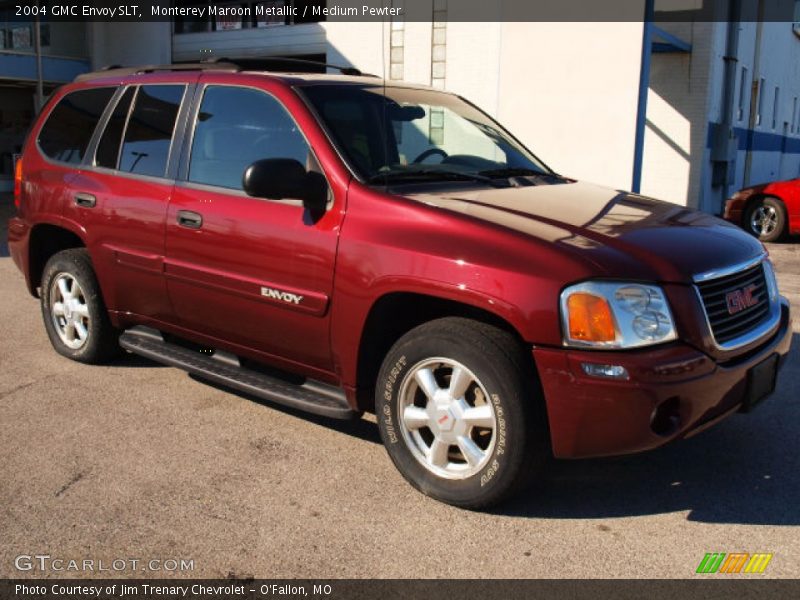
pixel 148 135
pixel 69 128
pixel 404 133
pixel 237 126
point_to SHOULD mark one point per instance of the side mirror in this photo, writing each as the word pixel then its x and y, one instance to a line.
pixel 278 178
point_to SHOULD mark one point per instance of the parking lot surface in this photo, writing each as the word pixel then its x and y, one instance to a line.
pixel 138 461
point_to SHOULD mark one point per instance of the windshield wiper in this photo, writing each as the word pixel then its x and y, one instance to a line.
pixel 514 172
pixel 431 174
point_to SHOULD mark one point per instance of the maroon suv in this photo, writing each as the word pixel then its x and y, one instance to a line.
pixel 337 246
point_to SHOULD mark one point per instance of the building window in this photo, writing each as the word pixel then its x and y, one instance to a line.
pixel 16 33
pixel 794 115
pixel 742 87
pixel 761 91
pixel 775 107
pixel 230 16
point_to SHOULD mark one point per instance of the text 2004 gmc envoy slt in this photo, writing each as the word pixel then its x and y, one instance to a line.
pixel 336 246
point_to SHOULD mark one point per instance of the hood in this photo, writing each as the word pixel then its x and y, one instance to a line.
pixel 620 233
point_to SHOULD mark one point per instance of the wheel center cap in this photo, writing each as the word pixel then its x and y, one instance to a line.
pixel 68 310
pixel 445 419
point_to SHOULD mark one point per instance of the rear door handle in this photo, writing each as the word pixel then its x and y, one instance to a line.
pixel 190 219
pixel 85 200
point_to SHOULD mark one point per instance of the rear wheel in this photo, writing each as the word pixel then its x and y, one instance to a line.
pixel 460 414
pixel 766 219
pixel 74 314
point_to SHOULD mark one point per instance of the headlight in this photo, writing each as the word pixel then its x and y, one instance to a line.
pixel 603 314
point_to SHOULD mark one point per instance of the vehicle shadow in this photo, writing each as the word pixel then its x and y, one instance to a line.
pixel 358 428
pixel 134 361
pixel 6 210
pixel 745 470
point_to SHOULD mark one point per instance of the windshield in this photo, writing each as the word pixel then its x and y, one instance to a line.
pixel 411 134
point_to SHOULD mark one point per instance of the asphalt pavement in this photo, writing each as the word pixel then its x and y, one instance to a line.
pixel 135 461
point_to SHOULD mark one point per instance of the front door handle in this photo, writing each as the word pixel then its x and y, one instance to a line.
pixel 190 219
pixel 85 200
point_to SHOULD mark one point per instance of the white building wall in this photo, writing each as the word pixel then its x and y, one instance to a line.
pixel 569 91
pixel 678 104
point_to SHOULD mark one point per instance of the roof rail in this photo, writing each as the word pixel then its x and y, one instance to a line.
pixel 259 64
pixel 219 64
pixel 116 71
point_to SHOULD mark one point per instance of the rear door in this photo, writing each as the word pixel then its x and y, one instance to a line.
pixel 251 272
pixel 121 197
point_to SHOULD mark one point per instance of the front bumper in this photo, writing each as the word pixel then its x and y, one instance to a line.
pixel 591 416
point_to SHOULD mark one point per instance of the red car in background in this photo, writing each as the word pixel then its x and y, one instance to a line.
pixel 769 211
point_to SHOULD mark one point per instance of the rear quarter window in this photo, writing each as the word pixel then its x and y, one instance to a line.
pixel 66 134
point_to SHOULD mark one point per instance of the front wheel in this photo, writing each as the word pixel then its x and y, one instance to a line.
pixel 460 413
pixel 766 219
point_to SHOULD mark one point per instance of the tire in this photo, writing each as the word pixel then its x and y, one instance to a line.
pixel 765 218
pixel 76 319
pixel 511 435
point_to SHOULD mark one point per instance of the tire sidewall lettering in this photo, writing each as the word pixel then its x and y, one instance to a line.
pixel 388 395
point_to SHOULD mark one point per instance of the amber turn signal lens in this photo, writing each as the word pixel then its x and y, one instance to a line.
pixel 590 318
pixel 18 182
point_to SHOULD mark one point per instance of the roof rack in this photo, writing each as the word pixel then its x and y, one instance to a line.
pixel 218 64
pixel 117 71
pixel 258 64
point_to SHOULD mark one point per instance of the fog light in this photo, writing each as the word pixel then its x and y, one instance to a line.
pixel 606 371
pixel 666 417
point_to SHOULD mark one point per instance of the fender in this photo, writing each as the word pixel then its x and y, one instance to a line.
pixel 24 249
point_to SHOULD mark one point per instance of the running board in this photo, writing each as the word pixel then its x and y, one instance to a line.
pixel 224 369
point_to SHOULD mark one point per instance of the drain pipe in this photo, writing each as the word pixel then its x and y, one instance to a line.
pixel 37 48
pixel 755 94
pixel 726 146
pixel 644 86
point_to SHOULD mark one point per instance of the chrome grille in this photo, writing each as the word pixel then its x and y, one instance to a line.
pixel 715 296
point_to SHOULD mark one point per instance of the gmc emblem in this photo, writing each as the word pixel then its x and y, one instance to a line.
pixel 738 300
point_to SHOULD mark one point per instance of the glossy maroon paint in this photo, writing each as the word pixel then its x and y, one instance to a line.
pixel 591 416
pixel 787 191
pixel 509 252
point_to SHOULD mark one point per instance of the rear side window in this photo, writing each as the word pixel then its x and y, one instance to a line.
pixel 108 148
pixel 69 128
pixel 237 126
pixel 148 135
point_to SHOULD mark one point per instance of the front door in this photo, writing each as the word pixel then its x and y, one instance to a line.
pixel 252 272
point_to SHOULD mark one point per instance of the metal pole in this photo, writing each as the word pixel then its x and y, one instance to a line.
pixel 37 45
pixel 755 95
pixel 729 87
pixel 644 85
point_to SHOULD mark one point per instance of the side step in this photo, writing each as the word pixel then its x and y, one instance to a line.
pixel 224 368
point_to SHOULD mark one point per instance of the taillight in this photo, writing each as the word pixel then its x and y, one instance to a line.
pixel 18 182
